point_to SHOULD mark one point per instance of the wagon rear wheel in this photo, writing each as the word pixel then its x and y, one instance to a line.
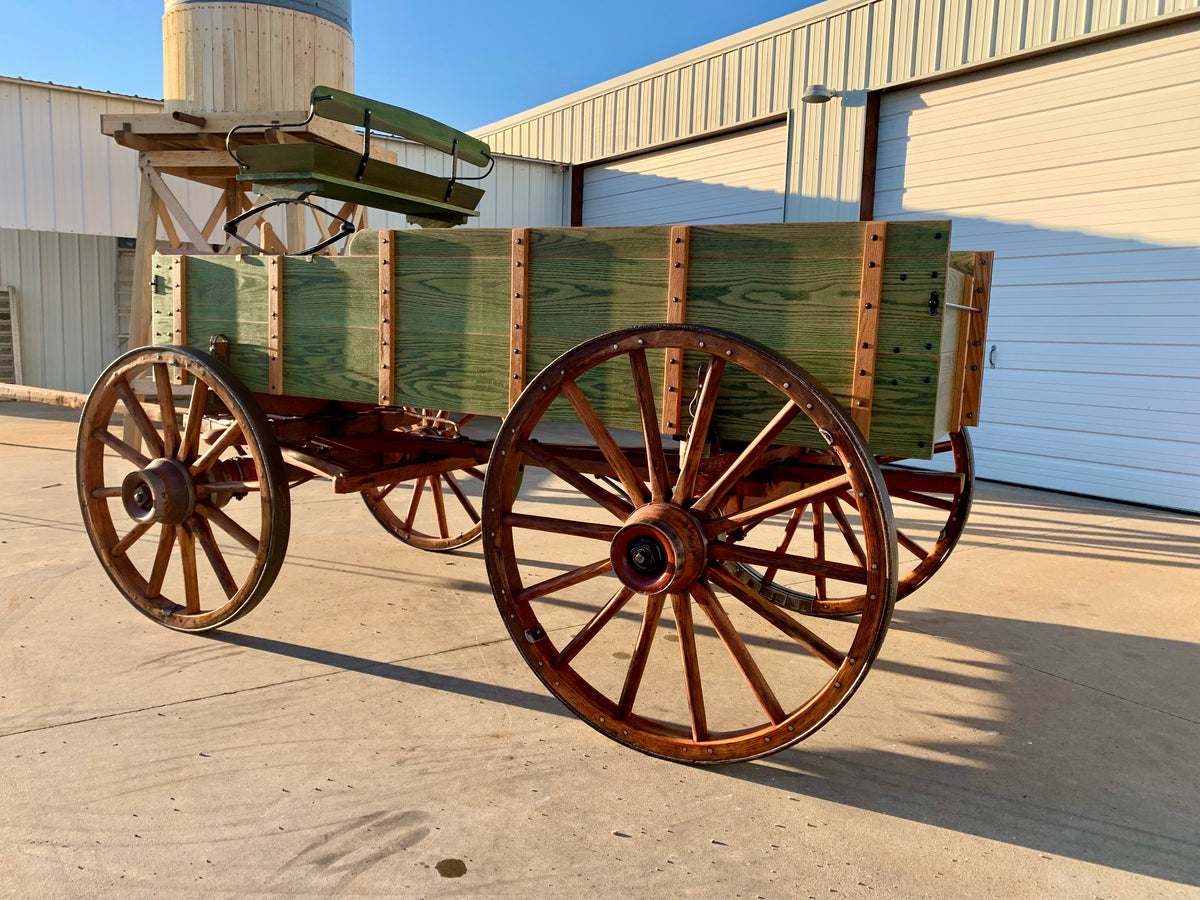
pixel 615 548
pixel 930 505
pixel 433 512
pixel 191 518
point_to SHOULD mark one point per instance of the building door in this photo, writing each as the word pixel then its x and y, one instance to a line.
pixel 1082 171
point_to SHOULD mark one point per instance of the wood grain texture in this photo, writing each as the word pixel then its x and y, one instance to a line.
pixel 387 318
pixel 867 336
pixel 519 315
pixel 676 313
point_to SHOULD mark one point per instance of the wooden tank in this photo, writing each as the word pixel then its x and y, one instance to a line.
pixel 245 56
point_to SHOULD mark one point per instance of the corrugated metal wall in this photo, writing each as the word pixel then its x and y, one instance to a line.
pixel 851 47
pixel 59 173
pixel 520 192
pixel 65 287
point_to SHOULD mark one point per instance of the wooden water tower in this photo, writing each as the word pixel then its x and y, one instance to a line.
pixel 225 64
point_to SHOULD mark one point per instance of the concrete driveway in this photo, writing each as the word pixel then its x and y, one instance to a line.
pixel 1032 728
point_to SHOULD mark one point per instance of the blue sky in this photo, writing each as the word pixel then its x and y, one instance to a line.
pixel 467 63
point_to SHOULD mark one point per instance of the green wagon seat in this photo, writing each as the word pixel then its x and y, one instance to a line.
pixel 296 171
pixel 292 172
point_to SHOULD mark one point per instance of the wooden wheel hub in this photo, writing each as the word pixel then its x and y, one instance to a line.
pixel 661 548
pixel 161 492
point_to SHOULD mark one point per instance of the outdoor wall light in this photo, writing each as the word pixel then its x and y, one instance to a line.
pixel 818 93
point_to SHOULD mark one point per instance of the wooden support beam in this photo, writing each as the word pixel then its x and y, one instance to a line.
pixel 215 217
pixel 174 207
pixel 976 338
pixel 862 386
pixel 169 228
pixel 519 332
pixel 677 283
pixel 275 324
pixel 179 310
pixel 387 318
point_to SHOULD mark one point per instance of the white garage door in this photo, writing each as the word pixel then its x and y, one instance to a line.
pixel 1082 171
pixel 738 177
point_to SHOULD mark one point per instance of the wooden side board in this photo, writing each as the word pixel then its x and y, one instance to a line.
pixel 475 313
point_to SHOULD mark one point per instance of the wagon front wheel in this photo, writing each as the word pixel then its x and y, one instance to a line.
pixel 608 562
pixel 187 509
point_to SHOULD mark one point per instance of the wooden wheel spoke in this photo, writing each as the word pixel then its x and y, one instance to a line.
pixel 229 526
pixel 110 440
pixel 747 458
pixel 477 474
pixel 924 500
pixel 814 643
pixel 166 408
pixel 789 531
pixel 604 441
pixel 560 526
pixel 123 545
pixel 707 601
pixel 418 492
pixel 191 579
pixel 852 541
pixel 105 493
pixel 463 500
pixel 382 495
pixel 133 406
pixel 618 506
pixel 656 459
pixel 162 557
pixel 190 443
pixel 464 421
pixel 641 655
pixel 820 568
pixel 232 435
pixel 750 517
pixel 910 545
pixel 439 505
pixel 819 547
pixel 593 627
pixel 202 531
pixel 566 580
pixel 689 469
pixel 681 605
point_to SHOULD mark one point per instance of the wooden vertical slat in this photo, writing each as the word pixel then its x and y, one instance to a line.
pixel 862 387
pixel 387 318
pixel 275 324
pixel 981 295
pixel 672 412
pixel 178 311
pixel 519 332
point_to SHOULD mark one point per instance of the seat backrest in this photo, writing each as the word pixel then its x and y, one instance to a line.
pixel 340 106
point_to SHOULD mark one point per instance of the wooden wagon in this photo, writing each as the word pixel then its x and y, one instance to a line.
pixel 711 419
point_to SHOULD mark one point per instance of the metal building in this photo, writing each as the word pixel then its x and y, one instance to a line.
pixel 1063 134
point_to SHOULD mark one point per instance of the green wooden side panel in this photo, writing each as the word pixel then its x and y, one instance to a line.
pixel 453 371
pixel 793 288
pixel 634 242
pixel 447 295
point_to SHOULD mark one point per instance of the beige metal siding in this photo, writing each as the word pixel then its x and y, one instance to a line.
pixel 852 47
pixel 65 288
pixel 738 177
pixel 519 192
pixel 59 173
pixel 1082 171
